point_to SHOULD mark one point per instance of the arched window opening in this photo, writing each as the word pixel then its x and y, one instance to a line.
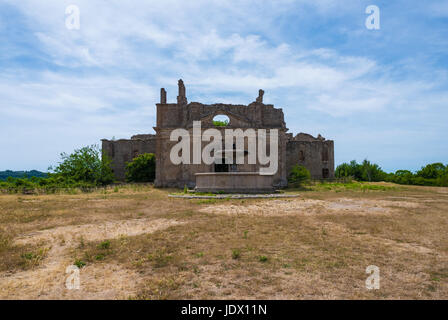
pixel 221 120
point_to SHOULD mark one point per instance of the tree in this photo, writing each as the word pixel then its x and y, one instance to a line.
pixel 366 171
pixel 344 170
pixel 371 171
pixel 141 168
pixel 298 176
pixel 432 171
pixel 84 165
pixel 403 177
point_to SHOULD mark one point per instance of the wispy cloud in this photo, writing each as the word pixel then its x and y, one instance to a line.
pixel 315 59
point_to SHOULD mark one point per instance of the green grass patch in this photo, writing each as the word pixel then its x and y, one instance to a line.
pixel 351 186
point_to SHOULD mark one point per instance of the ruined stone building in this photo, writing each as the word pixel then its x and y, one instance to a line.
pixel 316 154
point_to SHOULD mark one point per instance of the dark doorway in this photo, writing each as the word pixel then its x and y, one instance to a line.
pixel 325 173
pixel 222 167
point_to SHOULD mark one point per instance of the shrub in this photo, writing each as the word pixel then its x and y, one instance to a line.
pixel 236 254
pixel 104 245
pixel 99 257
pixel 352 169
pixel 84 165
pixel 298 176
pixel 79 263
pixel 432 171
pixel 366 171
pixel 434 174
pixel 141 168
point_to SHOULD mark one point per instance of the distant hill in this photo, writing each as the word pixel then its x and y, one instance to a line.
pixel 21 174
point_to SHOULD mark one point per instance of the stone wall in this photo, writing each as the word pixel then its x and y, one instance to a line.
pixel 315 154
pixel 256 115
pixel 124 150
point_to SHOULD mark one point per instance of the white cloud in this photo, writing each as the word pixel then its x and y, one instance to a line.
pixel 122 37
pixel 114 65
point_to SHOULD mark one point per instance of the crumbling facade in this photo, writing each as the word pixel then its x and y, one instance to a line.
pixel 124 150
pixel 316 154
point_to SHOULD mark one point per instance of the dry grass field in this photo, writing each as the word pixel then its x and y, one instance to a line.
pixel 134 242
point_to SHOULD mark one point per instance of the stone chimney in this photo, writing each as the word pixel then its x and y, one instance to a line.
pixel 260 96
pixel 181 98
pixel 162 96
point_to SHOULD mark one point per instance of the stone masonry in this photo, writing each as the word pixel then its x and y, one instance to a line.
pixel 316 154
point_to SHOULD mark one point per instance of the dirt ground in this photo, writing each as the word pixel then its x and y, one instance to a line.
pixel 134 242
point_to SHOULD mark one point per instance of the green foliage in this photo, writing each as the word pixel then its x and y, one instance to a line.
pixel 83 169
pixel 28 255
pixel 104 245
pixel 298 176
pixel 236 253
pixel 345 170
pixel 371 172
pixel 79 263
pixel 351 186
pixel 435 174
pixel 141 168
pixel 22 174
pixel 366 171
pixel 401 177
pixel 219 123
pixel 85 165
pixel 432 171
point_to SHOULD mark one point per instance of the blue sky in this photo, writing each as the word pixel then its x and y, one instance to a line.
pixel 380 94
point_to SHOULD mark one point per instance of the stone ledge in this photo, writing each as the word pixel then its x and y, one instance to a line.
pixel 235 196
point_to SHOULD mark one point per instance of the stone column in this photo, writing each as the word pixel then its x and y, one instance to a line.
pixel 181 98
pixel 162 96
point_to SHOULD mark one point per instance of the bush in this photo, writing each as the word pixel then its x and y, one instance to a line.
pixel 366 171
pixel 432 171
pixel 236 254
pixel 351 169
pixel 83 169
pixel 435 174
pixel 298 176
pixel 84 165
pixel 79 263
pixel 141 168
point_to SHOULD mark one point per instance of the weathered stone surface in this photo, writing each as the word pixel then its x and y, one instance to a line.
pixel 124 150
pixel 181 98
pixel 260 96
pixel 316 154
pixel 235 196
pixel 162 95
pixel 234 182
